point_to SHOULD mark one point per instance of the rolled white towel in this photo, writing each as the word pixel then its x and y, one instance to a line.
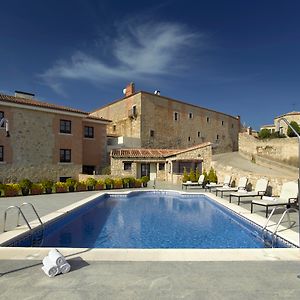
pixel 56 257
pixel 65 268
pixel 188 182
pixel 212 183
pixel 242 191
pixel 49 267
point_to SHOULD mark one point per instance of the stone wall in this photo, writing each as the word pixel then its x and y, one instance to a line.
pixel 275 183
pixel 283 150
pixel 194 125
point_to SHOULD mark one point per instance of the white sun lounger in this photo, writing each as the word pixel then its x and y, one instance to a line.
pixel 289 192
pixel 226 183
pixel 240 187
pixel 189 183
pixel 259 191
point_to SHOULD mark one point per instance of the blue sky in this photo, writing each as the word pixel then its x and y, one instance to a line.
pixel 238 57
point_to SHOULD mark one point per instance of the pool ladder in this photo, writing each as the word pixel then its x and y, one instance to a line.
pixel 37 240
pixel 274 233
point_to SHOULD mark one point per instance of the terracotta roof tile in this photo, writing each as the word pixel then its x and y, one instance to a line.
pixel 152 153
pixel 36 103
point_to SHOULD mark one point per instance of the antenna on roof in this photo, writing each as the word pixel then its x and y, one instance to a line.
pixel 124 91
pixel 156 92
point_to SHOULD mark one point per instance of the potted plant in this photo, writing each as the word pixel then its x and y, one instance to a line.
pixel 25 186
pixel 145 180
pixel 185 176
pixel 60 187
pixel 90 183
pixel 118 183
pixel 131 182
pixel 11 189
pixel 108 183
pixel 36 189
pixel 125 182
pixel 99 185
pixel 80 186
pixel 47 185
pixel 138 183
pixel 70 182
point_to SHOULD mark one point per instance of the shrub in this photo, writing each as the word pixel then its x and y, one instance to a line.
pixel 131 182
pixel 145 180
pixel 296 127
pixel 126 181
pixel 47 185
pixel 138 183
pixel 264 134
pixel 36 189
pixel 118 183
pixel 192 175
pixel 212 176
pixel 108 183
pixel 99 185
pixel 80 186
pixel 60 187
pixel 70 182
pixel 25 186
pixel 185 176
pixel 11 189
pixel 90 183
pixel 197 174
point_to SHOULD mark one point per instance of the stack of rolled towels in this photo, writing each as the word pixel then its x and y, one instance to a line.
pixel 55 263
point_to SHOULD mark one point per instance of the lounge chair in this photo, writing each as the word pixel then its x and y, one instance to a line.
pixel 289 192
pixel 189 183
pixel 241 186
pixel 226 183
pixel 259 191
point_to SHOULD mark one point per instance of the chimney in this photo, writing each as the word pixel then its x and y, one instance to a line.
pixel 129 90
pixel 21 94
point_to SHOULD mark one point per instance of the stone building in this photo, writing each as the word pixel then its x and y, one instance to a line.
pixel 153 121
pixel 48 141
pixel 291 116
pixel 161 164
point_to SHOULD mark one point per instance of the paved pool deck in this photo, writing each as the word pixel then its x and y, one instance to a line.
pixel 274 277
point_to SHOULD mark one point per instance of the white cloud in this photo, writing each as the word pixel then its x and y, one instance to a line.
pixel 137 50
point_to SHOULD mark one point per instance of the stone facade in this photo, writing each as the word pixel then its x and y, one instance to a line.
pixel 33 149
pixel 200 155
pixel 283 150
pixel 161 122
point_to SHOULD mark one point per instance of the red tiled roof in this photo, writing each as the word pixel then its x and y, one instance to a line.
pixel 152 153
pixel 142 153
pixel 36 103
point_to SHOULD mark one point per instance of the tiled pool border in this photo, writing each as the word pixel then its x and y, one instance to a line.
pixel 155 254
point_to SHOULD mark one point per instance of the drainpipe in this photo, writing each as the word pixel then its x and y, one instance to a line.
pixel 5 121
pixel 298 136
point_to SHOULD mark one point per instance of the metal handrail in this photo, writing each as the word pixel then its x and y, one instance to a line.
pixel 37 215
pixel 19 212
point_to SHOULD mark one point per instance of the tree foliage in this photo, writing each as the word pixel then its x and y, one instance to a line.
pixel 296 126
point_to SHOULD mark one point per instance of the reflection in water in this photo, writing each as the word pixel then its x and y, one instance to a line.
pixel 152 221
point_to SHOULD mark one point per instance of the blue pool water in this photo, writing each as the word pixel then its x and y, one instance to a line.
pixel 153 220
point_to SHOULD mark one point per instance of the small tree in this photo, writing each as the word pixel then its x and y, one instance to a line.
pixel 185 176
pixel 192 175
pixel 290 132
pixel 212 176
pixel 197 174
pixel 264 134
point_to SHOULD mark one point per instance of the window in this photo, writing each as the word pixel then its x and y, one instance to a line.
pixel 207 120
pixel 217 136
pixel 231 125
pixel 222 123
pixel 152 133
pixel 191 115
pixel 1 117
pixel 189 138
pixel 65 155
pixel 199 134
pixel 1 153
pixel 127 166
pixel 134 110
pixel 114 127
pixel 176 116
pixel 88 169
pixel 88 132
pixel 65 126
pixel 161 166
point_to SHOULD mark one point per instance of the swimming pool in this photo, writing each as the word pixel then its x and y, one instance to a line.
pixel 151 220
